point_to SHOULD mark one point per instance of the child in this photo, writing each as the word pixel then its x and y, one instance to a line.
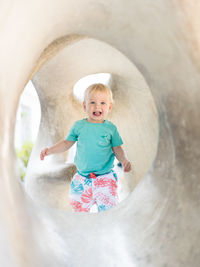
pixel 98 142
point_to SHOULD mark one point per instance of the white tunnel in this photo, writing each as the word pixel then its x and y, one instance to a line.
pixel 151 50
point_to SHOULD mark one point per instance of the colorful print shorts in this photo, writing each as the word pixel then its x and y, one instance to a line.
pixel 87 191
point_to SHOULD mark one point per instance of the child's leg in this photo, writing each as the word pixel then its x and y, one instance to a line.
pixel 105 191
pixel 81 195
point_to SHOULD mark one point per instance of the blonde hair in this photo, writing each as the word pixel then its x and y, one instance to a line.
pixel 98 87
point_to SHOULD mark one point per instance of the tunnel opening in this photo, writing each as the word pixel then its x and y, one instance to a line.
pixel 26 127
pixel 82 84
pixel 134 113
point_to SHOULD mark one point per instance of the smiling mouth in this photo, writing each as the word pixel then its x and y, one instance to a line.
pixel 97 113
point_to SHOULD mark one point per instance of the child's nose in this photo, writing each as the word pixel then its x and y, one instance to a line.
pixel 98 105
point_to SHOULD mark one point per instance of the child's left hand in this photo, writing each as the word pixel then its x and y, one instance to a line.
pixel 126 166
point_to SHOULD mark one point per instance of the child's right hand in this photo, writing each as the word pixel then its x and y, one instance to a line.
pixel 44 153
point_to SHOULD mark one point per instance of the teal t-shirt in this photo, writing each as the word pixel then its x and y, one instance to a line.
pixel 94 146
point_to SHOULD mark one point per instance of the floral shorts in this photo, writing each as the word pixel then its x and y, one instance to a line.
pixel 87 191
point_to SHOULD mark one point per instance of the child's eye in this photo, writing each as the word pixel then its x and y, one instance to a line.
pixel 102 103
pixel 92 102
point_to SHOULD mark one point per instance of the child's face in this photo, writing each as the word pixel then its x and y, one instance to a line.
pixel 97 106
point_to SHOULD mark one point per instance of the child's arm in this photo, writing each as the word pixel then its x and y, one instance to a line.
pixel 61 146
pixel 120 155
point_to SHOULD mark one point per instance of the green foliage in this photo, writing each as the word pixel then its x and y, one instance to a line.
pixel 23 155
pixel 23 114
pixel 22 173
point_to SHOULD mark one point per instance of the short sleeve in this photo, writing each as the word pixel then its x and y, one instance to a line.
pixel 72 135
pixel 116 138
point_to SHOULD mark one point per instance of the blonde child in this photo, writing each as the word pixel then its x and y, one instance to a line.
pixel 98 143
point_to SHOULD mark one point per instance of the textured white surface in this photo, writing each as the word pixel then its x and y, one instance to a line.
pixel 158 224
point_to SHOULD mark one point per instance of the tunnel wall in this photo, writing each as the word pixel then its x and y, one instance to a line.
pixel 158 223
